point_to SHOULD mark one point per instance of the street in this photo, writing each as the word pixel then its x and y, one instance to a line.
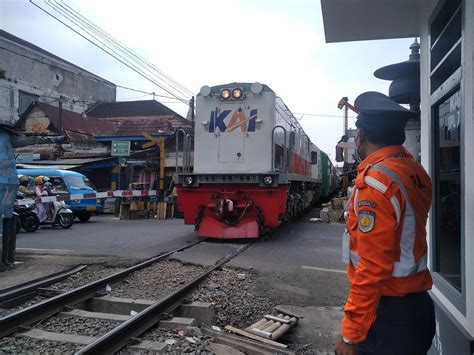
pixel 300 261
pixel 298 265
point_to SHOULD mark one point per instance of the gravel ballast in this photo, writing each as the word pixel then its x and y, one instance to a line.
pixel 24 345
pixel 182 341
pixel 156 281
pixel 77 326
pixel 90 274
pixel 235 297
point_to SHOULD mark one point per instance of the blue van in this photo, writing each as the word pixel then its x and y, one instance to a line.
pixel 70 182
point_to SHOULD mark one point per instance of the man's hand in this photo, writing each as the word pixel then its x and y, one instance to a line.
pixel 342 348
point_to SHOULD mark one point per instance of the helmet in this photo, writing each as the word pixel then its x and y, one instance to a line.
pixel 39 180
pixel 24 179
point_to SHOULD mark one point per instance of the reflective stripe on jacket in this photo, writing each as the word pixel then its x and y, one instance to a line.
pixel 387 227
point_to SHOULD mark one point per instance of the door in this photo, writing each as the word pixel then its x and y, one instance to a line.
pixel 232 140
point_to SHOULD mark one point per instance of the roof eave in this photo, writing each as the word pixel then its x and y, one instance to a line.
pixel 362 20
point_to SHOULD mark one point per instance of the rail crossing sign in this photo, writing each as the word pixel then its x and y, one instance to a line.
pixel 120 149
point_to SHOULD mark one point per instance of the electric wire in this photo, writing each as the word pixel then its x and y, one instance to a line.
pixel 131 53
pixel 95 44
pixel 104 43
pixel 109 51
pixel 125 51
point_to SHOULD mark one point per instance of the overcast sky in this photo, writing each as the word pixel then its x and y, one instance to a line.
pixel 277 42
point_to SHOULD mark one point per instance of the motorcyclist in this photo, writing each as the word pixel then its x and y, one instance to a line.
pixel 23 188
pixel 40 192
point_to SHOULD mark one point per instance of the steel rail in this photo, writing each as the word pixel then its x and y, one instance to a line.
pixel 10 323
pixel 119 337
pixel 12 296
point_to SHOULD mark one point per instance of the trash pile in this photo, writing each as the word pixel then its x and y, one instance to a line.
pixel 333 212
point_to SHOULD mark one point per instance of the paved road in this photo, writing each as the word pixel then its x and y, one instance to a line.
pixel 296 262
pixel 105 235
pixel 299 264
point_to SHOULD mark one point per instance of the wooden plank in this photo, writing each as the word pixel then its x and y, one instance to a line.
pixel 249 346
pixel 276 319
pixel 255 337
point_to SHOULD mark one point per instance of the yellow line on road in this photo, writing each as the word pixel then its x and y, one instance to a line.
pixel 323 269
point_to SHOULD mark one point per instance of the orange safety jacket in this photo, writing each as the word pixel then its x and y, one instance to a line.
pixel 386 232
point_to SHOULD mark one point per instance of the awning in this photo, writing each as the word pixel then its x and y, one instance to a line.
pixel 361 20
pixel 46 166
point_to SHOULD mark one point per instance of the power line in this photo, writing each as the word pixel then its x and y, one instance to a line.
pixel 110 51
pixel 77 73
pixel 110 47
pixel 320 115
pixel 146 92
pixel 130 53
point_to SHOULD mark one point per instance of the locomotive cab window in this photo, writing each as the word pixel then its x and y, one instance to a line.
pixel 314 158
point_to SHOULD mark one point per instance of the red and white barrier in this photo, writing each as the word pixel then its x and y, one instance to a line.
pixel 68 197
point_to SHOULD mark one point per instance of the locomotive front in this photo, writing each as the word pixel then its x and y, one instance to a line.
pixel 234 190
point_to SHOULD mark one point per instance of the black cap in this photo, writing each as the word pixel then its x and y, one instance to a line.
pixel 372 103
pixel 382 119
pixel 378 112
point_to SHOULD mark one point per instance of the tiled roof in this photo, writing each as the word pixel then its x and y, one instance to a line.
pixel 131 109
pixel 139 125
pixel 75 125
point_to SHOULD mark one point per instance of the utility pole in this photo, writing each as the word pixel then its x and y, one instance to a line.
pixel 191 104
pixel 191 107
pixel 60 123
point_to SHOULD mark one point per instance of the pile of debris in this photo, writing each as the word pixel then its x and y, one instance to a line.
pixel 333 212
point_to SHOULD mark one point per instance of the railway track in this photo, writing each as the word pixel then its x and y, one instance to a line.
pixel 126 327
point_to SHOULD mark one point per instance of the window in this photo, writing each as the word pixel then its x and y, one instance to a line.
pixel 446 39
pixel 314 157
pixel 78 183
pixel 447 179
pixel 25 100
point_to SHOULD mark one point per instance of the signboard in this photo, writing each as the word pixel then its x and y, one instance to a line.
pixel 120 149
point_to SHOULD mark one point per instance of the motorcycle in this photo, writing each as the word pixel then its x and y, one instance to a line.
pixel 26 216
pixel 60 214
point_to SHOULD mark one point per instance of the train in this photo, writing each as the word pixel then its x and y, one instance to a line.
pixel 254 166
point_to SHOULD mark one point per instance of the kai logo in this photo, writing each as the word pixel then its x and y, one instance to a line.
pixel 232 120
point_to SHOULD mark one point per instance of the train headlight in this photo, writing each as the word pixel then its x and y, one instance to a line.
pixel 268 180
pixel 188 180
pixel 225 94
pixel 237 93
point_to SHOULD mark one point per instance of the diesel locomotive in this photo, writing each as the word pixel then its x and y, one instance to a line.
pixel 254 166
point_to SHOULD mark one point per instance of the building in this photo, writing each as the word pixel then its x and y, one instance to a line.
pixel 446 31
pixel 134 119
pixel 29 73
pixel 147 127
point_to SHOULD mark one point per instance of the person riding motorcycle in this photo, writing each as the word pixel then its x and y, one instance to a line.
pixel 23 188
pixel 43 213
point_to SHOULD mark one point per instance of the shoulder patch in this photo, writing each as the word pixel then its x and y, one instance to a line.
pixel 367 203
pixel 366 221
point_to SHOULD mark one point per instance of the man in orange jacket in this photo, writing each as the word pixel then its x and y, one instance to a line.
pixel 388 310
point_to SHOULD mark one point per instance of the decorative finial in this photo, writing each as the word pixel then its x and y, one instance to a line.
pixel 415 50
